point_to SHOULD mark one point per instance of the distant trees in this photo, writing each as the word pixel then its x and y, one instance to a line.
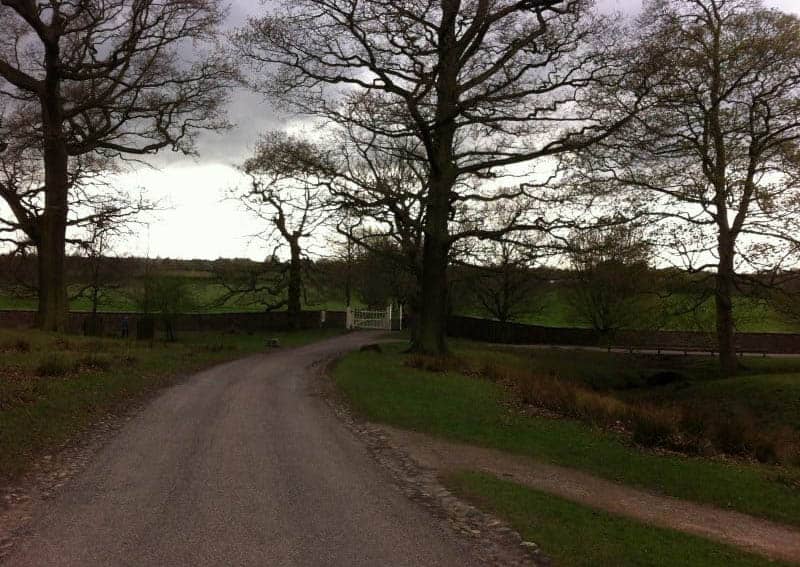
pixel 505 284
pixel 162 298
pixel 96 247
pixel 714 153
pixel 86 82
pixel 383 274
pixel 463 90
pixel 612 277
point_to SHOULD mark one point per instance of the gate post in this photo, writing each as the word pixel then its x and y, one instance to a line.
pixel 348 318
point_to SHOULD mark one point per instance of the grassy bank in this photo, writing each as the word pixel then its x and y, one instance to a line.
pixel 605 539
pixel 672 402
pixel 54 386
pixel 469 409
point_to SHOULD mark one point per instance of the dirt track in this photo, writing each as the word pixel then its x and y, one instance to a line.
pixel 239 465
pixel 752 534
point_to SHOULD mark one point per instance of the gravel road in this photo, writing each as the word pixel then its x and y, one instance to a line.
pixel 239 465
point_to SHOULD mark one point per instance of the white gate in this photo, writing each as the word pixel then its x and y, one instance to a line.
pixel 380 319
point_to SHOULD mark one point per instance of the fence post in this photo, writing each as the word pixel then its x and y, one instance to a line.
pixel 400 328
pixel 389 317
pixel 348 318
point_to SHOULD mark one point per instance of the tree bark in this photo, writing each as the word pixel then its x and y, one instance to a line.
pixel 429 336
pixel 723 296
pixel 52 312
pixel 294 293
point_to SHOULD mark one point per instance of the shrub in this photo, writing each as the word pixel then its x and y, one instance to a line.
pixel 766 451
pixel 564 397
pixel 733 434
pixel 54 365
pixel 492 372
pixel 654 427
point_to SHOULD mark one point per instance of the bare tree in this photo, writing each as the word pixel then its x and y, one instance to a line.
pixel 505 284
pixel 288 189
pixel 612 272
pixel 97 213
pixel 104 227
pixel 261 284
pixel 163 298
pixel 383 275
pixel 383 188
pixel 468 88
pixel 100 79
pixel 715 155
pixel 341 266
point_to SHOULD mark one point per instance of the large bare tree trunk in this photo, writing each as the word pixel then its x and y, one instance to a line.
pixel 52 309
pixel 294 306
pixel 52 313
pixel 429 336
pixel 723 296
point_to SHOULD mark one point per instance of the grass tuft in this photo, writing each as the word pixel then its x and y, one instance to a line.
pixel 17 345
pixel 54 365
pixel 95 362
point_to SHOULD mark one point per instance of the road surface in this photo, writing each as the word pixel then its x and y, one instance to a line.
pixel 240 465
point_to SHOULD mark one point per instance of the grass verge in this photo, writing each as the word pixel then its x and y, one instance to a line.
pixel 383 389
pixel 52 387
pixel 574 535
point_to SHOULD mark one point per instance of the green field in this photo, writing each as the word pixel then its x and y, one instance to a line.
pixel 54 386
pixel 605 539
pixel 553 309
pixel 204 295
pixel 467 408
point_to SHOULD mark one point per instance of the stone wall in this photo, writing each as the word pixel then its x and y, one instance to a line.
pixel 112 323
pixel 516 333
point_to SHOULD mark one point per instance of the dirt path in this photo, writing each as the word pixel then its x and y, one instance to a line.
pixel 752 534
pixel 242 464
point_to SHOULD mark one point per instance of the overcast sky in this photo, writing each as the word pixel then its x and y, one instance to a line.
pixel 199 222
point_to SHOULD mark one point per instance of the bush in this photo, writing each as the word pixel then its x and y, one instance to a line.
pixel 561 396
pixel 654 427
pixel 54 366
